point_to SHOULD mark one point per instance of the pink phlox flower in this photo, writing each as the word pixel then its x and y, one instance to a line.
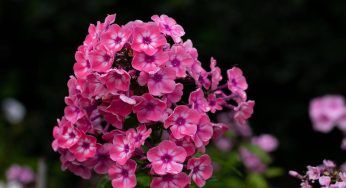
pixel 244 111
pixel 170 181
pixel 201 169
pixel 179 60
pixel 215 73
pixel 149 108
pixel 328 164
pixel 101 59
pixel 115 38
pixel 223 144
pixel 82 67
pixel 198 101
pixel 204 131
pixel 77 168
pixel 313 172
pixel 94 87
pixel 215 103
pixel 167 157
pixel 149 63
pixel 324 180
pixel 251 161
pixel 20 174
pixel 123 176
pixel 236 80
pixel 95 32
pixel 122 149
pixel 161 82
pixel 169 26
pixel 114 104
pixel 148 39
pixel 74 87
pixel 190 49
pixel 266 142
pixel 182 122
pixel 116 80
pixel 176 95
pixel 139 135
pixel 109 136
pixel 69 136
pixel 101 162
pixel 185 142
pixel 326 111
pixel 219 129
pixel 73 113
pixel 85 148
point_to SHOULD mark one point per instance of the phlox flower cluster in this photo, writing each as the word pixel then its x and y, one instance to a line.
pixel 326 175
pixel 241 139
pixel 327 112
pixel 20 174
pixel 140 100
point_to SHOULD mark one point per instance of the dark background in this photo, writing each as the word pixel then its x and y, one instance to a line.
pixel 290 52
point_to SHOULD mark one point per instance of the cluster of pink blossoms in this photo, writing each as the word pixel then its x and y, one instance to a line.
pixel 241 136
pixel 327 112
pixel 20 174
pixel 140 100
pixel 326 175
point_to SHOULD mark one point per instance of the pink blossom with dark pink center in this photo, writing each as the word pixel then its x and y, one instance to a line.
pixel 73 113
pixel 122 149
pixel 147 39
pixel 123 176
pixel 179 60
pixel 236 80
pixel 116 80
pixel 215 73
pixel 244 111
pixel 101 162
pixel 204 131
pixel 215 103
pixel 198 101
pixel 182 122
pixel 149 63
pixel 149 108
pixel 85 148
pixel 170 181
pixel 101 59
pixel 201 169
pixel 161 82
pixel 313 172
pixel 69 135
pixel 139 135
pixel 169 26
pixel 266 142
pixel 167 157
pixel 82 67
pixel 176 95
pixel 115 38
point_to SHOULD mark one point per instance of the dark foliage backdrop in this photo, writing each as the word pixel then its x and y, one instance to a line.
pixel 290 51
